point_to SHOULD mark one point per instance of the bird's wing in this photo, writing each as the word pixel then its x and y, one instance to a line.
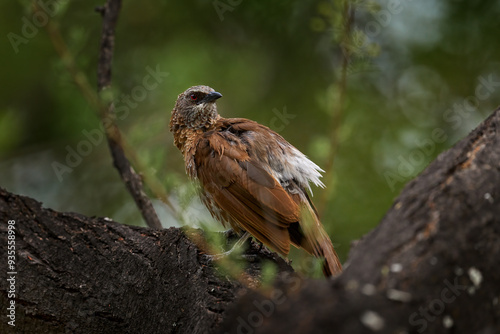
pixel 294 171
pixel 244 190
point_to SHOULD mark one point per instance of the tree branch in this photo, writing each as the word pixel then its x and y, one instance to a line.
pixel 132 180
pixel 430 266
pixel 77 274
pixel 105 110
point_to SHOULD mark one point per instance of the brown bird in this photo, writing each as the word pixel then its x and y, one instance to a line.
pixel 251 178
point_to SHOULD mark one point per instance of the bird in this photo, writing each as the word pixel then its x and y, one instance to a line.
pixel 251 179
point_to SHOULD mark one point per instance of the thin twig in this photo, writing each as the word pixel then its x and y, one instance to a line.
pixel 132 180
pixel 117 145
pixel 348 16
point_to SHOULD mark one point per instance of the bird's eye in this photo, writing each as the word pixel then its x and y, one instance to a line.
pixel 194 97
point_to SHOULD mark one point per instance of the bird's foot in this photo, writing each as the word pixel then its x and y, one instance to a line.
pixel 220 256
pixel 237 245
pixel 230 234
pixel 260 247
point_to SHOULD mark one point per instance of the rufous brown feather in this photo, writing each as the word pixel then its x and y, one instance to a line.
pixel 251 178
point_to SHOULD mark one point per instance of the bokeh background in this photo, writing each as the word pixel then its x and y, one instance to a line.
pixel 419 75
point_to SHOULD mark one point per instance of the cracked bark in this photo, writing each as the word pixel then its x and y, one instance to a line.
pixel 430 266
pixel 79 274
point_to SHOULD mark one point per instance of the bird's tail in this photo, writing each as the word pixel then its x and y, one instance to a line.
pixel 316 241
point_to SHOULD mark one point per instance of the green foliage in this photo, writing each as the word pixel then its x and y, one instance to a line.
pixel 9 122
pixel 408 67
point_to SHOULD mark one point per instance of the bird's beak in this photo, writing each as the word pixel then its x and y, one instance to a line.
pixel 210 97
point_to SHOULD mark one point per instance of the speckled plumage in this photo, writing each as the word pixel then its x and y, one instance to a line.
pixel 251 178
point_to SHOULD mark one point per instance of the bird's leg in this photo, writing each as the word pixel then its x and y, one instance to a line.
pixel 260 247
pixel 240 242
pixel 230 233
pixel 237 245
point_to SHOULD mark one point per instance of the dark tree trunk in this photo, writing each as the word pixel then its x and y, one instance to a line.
pixel 432 265
pixel 79 274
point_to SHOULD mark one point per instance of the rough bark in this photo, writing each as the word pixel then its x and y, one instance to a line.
pixel 78 274
pixel 432 265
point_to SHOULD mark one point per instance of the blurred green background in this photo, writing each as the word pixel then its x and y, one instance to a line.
pixel 420 75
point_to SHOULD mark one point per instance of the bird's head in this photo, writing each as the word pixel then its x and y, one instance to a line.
pixel 195 108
